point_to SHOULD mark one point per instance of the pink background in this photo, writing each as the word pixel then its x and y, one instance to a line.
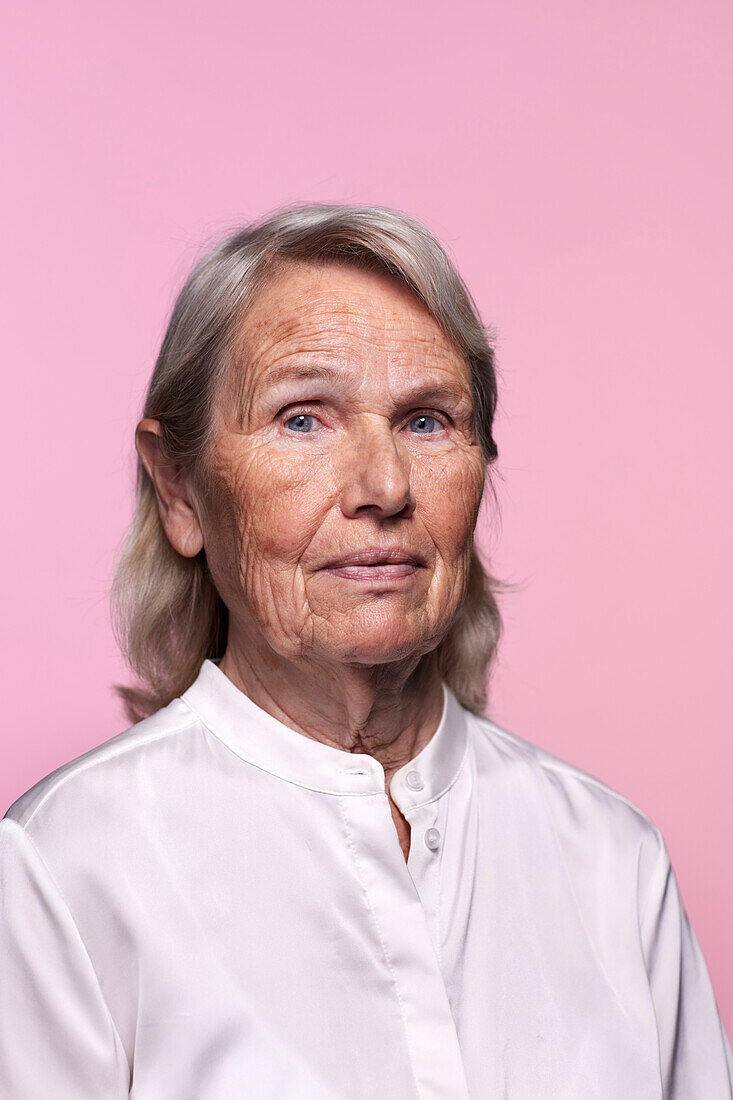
pixel 576 160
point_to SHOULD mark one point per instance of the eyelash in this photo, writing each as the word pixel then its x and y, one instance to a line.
pixel 298 410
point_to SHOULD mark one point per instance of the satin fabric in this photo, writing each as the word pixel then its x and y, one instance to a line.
pixel 213 906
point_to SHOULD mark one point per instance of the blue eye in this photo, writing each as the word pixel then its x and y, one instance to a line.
pixel 424 425
pixel 301 422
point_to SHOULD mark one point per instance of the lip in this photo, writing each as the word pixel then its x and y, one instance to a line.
pixel 376 568
pixel 374 557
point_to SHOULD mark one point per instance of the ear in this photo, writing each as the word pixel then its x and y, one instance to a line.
pixel 175 501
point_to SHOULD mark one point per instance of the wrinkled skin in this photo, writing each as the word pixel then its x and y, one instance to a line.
pixel 346 424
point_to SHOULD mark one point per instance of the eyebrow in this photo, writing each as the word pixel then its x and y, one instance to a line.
pixel 302 372
pixel 324 373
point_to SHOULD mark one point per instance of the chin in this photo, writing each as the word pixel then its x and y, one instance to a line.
pixel 381 643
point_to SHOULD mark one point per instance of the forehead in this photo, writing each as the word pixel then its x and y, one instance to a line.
pixel 336 308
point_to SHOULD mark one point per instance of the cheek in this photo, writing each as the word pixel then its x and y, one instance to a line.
pixel 448 495
pixel 278 504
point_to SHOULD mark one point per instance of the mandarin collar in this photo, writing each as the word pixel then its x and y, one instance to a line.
pixel 264 741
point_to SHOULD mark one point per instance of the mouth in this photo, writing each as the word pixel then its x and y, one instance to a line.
pixel 376 564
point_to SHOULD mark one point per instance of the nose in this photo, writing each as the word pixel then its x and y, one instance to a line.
pixel 375 474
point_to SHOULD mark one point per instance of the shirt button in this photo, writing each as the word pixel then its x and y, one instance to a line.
pixel 432 839
pixel 414 781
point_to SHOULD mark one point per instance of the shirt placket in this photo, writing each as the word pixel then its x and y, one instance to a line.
pixel 427 830
pixel 408 932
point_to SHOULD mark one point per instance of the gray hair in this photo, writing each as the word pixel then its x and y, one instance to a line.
pixel 168 616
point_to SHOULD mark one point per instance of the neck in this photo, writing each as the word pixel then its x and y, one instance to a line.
pixel 389 711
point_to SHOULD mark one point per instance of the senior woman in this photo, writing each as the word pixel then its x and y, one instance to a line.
pixel 314 868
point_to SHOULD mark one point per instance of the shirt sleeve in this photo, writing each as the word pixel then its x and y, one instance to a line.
pixel 695 1055
pixel 57 1038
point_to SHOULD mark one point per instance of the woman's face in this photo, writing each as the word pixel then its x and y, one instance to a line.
pixel 348 475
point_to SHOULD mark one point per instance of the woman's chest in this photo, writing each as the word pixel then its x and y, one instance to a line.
pixel 307 966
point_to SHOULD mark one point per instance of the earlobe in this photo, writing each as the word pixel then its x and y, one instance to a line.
pixel 172 489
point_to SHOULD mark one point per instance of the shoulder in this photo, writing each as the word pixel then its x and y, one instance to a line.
pixel 586 814
pixel 111 772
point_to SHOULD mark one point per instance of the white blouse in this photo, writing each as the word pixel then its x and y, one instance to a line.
pixel 212 906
